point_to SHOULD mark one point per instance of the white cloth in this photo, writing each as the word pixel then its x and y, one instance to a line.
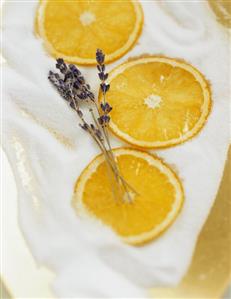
pixel 90 261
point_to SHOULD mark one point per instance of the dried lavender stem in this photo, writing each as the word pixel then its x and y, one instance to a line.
pixel 100 145
pixel 117 175
pixel 72 86
pixel 105 130
pixel 124 182
pixel 100 58
pixel 107 164
pixel 113 159
pixel 105 134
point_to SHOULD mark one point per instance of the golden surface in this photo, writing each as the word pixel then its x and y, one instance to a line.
pixel 222 10
pixel 210 271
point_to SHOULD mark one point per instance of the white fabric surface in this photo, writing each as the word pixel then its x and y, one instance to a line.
pixel 89 260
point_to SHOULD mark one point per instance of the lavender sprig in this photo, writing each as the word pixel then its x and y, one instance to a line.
pixel 105 107
pixel 72 86
pixel 105 118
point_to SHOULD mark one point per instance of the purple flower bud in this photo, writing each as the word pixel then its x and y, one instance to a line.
pixel 91 95
pixel 80 113
pixel 82 96
pixel 76 85
pixel 103 76
pixel 104 87
pixel 72 105
pixel 68 76
pixel 92 127
pixel 100 56
pixel 74 70
pixel 107 87
pixel 84 126
pixel 106 107
pixel 61 65
pixel 103 119
pixel 60 61
pixel 81 80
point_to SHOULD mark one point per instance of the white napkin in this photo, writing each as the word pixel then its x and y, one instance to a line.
pixel 90 261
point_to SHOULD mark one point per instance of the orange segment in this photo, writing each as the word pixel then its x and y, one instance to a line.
pixel 157 101
pixel 156 205
pixel 74 30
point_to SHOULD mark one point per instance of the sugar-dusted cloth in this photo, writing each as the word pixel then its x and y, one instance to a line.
pixel 47 151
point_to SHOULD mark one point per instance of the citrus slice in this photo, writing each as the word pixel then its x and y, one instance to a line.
pixel 157 101
pixel 154 206
pixel 74 30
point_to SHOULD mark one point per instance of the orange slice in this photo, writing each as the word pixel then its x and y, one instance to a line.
pixel 74 30
pixel 157 101
pixel 156 205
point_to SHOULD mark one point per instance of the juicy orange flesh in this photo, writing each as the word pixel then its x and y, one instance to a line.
pixel 109 27
pixel 179 109
pixel 147 210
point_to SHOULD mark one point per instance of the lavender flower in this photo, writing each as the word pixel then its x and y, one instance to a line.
pixel 72 86
pixel 106 107
pixel 84 126
pixel 70 83
pixel 100 57
pixel 104 119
